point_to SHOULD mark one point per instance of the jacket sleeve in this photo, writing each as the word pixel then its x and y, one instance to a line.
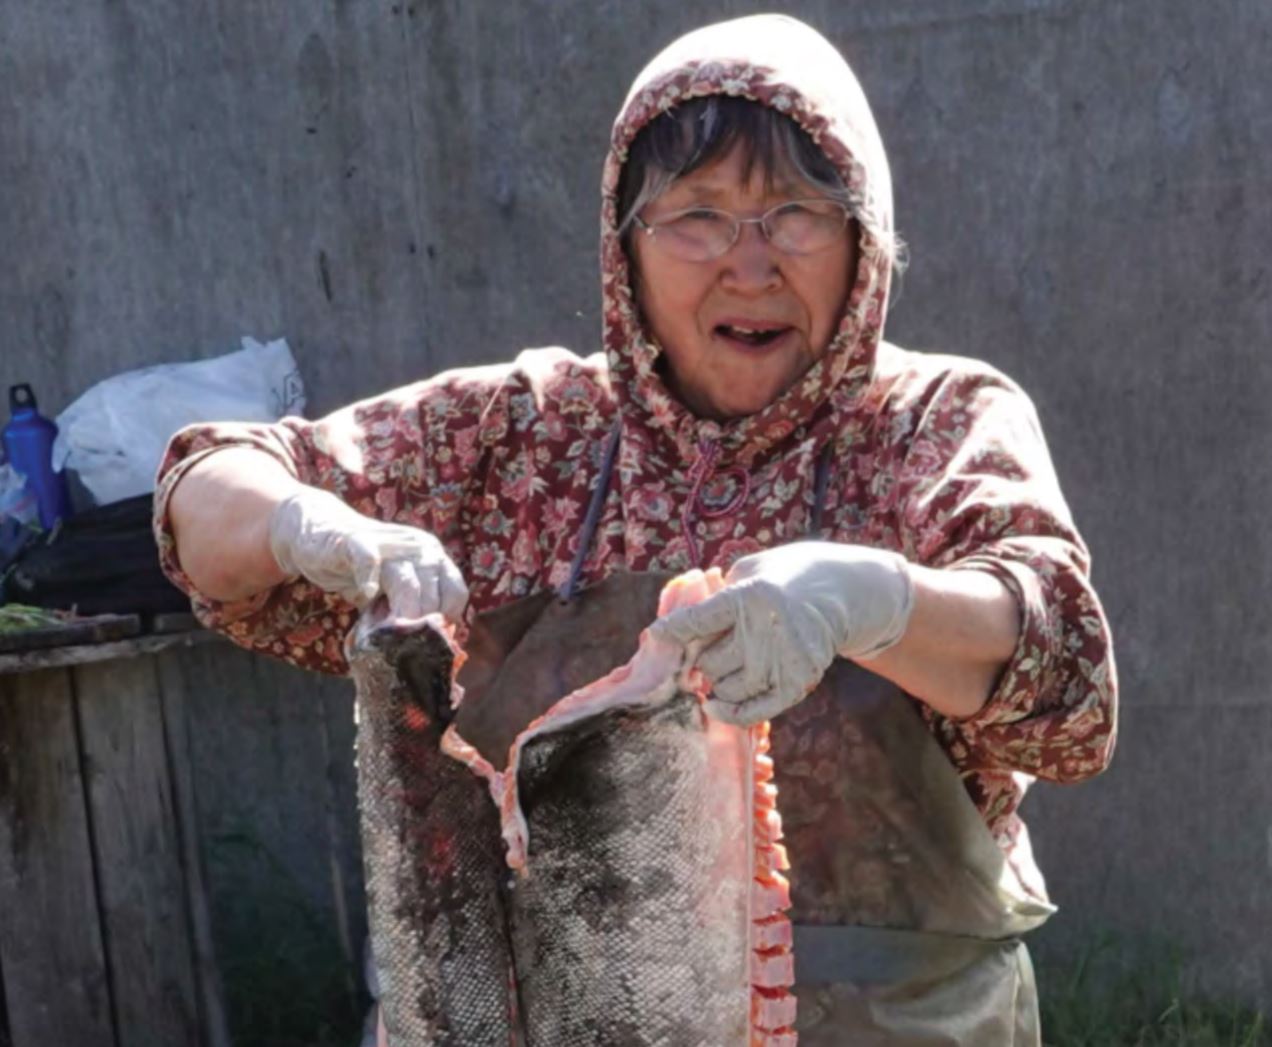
pixel 977 490
pixel 404 456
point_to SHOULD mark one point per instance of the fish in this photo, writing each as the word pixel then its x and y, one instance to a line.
pixel 628 856
pixel 432 855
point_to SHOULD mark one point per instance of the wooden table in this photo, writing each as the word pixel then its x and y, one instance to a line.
pixel 104 933
pixel 179 847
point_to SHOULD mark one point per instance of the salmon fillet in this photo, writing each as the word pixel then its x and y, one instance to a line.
pixel 645 903
pixel 431 849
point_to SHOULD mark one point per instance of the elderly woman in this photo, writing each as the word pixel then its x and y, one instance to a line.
pixel 894 509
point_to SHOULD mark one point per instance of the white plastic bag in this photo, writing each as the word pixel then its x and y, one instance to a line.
pixel 114 435
pixel 17 500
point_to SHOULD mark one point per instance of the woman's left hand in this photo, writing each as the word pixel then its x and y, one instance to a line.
pixel 784 614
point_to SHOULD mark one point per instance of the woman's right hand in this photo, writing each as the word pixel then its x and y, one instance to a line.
pixel 312 533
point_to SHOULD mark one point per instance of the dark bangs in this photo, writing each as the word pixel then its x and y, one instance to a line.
pixel 702 130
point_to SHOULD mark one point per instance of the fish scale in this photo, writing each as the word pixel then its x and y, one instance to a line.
pixel 615 864
pixel 431 851
pixel 644 905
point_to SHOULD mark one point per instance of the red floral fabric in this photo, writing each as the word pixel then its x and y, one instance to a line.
pixel 936 456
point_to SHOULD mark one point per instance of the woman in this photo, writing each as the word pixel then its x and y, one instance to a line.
pixel 746 402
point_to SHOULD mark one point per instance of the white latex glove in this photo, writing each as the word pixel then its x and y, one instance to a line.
pixel 784 614
pixel 314 534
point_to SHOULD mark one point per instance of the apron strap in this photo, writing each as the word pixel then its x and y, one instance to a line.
pixel 567 590
pixel 821 480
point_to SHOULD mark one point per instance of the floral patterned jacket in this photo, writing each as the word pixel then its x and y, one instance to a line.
pixel 939 457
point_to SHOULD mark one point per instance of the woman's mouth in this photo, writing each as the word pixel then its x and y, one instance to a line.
pixel 751 337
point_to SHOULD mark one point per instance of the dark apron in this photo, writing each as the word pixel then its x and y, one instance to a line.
pixel 907 917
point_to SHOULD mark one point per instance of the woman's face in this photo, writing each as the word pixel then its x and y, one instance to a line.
pixel 706 315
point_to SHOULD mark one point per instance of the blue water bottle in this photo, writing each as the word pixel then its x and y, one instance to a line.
pixel 28 444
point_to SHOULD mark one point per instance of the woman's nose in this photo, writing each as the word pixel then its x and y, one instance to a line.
pixel 751 264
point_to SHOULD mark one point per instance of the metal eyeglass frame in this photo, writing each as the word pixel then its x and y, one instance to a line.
pixel 651 228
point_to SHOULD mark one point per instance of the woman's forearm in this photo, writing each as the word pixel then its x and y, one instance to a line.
pixel 962 632
pixel 220 512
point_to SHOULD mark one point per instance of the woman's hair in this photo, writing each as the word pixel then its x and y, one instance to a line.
pixel 702 130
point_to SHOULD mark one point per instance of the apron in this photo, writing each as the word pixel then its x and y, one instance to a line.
pixel 907 917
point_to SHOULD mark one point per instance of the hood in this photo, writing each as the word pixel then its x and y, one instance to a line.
pixel 783 63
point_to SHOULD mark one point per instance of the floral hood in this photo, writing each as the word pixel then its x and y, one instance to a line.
pixel 783 63
pixel 937 457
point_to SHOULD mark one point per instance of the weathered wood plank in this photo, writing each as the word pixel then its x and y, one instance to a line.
pixel 101 628
pixel 271 759
pixel 83 654
pixel 344 854
pixel 137 850
pixel 211 998
pixel 51 957
pixel 174 622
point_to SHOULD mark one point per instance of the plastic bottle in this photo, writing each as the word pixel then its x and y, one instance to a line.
pixel 28 444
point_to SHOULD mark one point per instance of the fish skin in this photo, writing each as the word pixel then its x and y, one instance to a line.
pixel 431 849
pixel 624 933
pixel 646 910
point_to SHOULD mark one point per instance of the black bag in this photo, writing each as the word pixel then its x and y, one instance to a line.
pixel 102 561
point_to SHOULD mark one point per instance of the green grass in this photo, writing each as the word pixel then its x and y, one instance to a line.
pixel 1137 996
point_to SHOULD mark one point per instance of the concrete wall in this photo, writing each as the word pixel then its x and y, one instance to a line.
pixel 403 185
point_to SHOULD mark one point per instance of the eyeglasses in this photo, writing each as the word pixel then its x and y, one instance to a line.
pixel 700 234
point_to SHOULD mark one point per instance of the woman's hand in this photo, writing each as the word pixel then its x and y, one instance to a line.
pixel 314 534
pixel 783 616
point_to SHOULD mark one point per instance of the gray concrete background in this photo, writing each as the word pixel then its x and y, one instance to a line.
pixel 396 187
